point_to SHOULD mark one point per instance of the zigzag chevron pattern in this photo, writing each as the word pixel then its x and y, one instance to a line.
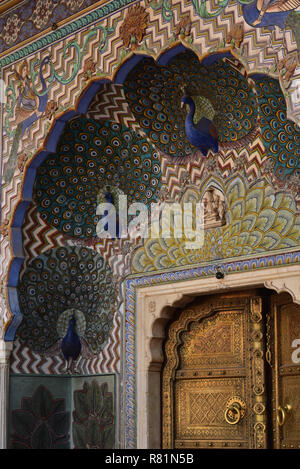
pixel 110 104
pixel 253 155
pixel 38 236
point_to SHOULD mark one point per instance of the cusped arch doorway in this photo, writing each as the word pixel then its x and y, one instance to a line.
pixel 231 377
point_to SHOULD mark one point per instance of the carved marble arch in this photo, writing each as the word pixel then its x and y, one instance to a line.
pixel 158 305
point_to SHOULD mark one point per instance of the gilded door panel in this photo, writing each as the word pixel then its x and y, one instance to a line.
pixel 289 325
pixel 200 408
pixel 213 380
pixel 217 342
pixel 290 394
pixel 286 373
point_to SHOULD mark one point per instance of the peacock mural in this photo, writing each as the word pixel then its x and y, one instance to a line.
pixel 67 292
pixel 214 90
pixel 63 283
pixel 209 119
pixel 257 220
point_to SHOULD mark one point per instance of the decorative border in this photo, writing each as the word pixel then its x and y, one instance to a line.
pixel 63 32
pixel 129 332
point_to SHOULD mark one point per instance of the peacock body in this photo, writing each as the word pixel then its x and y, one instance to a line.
pixel 203 134
pixel 71 345
pixel 154 93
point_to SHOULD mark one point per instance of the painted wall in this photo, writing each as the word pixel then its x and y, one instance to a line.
pixel 92 106
pixel 61 412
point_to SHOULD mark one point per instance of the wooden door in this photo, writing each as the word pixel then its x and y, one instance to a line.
pixel 285 364
pixel 213 382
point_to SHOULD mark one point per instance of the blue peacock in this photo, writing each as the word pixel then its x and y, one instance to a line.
pixel 71 344
pixel 67 299
pixel 223 110
pixel 203 134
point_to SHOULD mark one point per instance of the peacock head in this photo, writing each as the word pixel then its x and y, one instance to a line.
pixel 72 321
pixel 186 100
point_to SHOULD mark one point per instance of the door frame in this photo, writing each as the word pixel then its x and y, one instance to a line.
pixel 155 307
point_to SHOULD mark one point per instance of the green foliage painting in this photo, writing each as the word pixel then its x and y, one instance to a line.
pixel 41 423
pixel 93 421
pixel 62 412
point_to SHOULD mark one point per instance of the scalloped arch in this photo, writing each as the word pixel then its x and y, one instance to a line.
pixel 50 143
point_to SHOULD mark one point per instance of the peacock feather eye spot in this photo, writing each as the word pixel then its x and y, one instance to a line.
pixel 138 109
pixel 109 151
pixel 67 227
pixel 104 132
pixel 84 137
pixel 116 142
pixel 55 211
pixel 31 291
pixel 77 231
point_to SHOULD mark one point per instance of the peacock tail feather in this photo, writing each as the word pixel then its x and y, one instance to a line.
pixel 281 135
pixel 90 156
pixel 257 221
pixel 154 92
pixel 58 283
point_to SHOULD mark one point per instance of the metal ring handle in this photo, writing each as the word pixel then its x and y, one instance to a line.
pixel 233 414
pixel 281 414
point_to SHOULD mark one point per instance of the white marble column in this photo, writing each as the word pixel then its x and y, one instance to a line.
pixel 5 351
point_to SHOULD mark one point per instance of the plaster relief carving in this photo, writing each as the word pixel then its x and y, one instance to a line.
pixel 214 208
pixel 290 285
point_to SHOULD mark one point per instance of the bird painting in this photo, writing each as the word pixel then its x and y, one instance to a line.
pixel 220 100
pixel 269 12
pixel 71 345
pixel 203 134
pixel 109 197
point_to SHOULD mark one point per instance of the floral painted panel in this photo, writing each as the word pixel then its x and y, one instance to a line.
pixel 46 411
pixel 40 413
pixel 93 416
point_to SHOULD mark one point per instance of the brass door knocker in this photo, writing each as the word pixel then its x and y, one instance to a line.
pixel 282 414
pixel 235 410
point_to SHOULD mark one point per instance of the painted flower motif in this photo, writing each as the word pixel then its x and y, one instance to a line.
pixel 211 164
pixel 51 109
pixel 184 178
pixel 11 29
pixel 42 13
pixel 134 26
pixel 241 163
pixel 236 35
pixel 294 183
pixel 74 5
pixel 183 28
pixel 93 419
pixel 4 228
pixel 22 161
pixel 287 66
pixel 164 193
pixel 41 423
pixel 268 166
pixel 89 69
